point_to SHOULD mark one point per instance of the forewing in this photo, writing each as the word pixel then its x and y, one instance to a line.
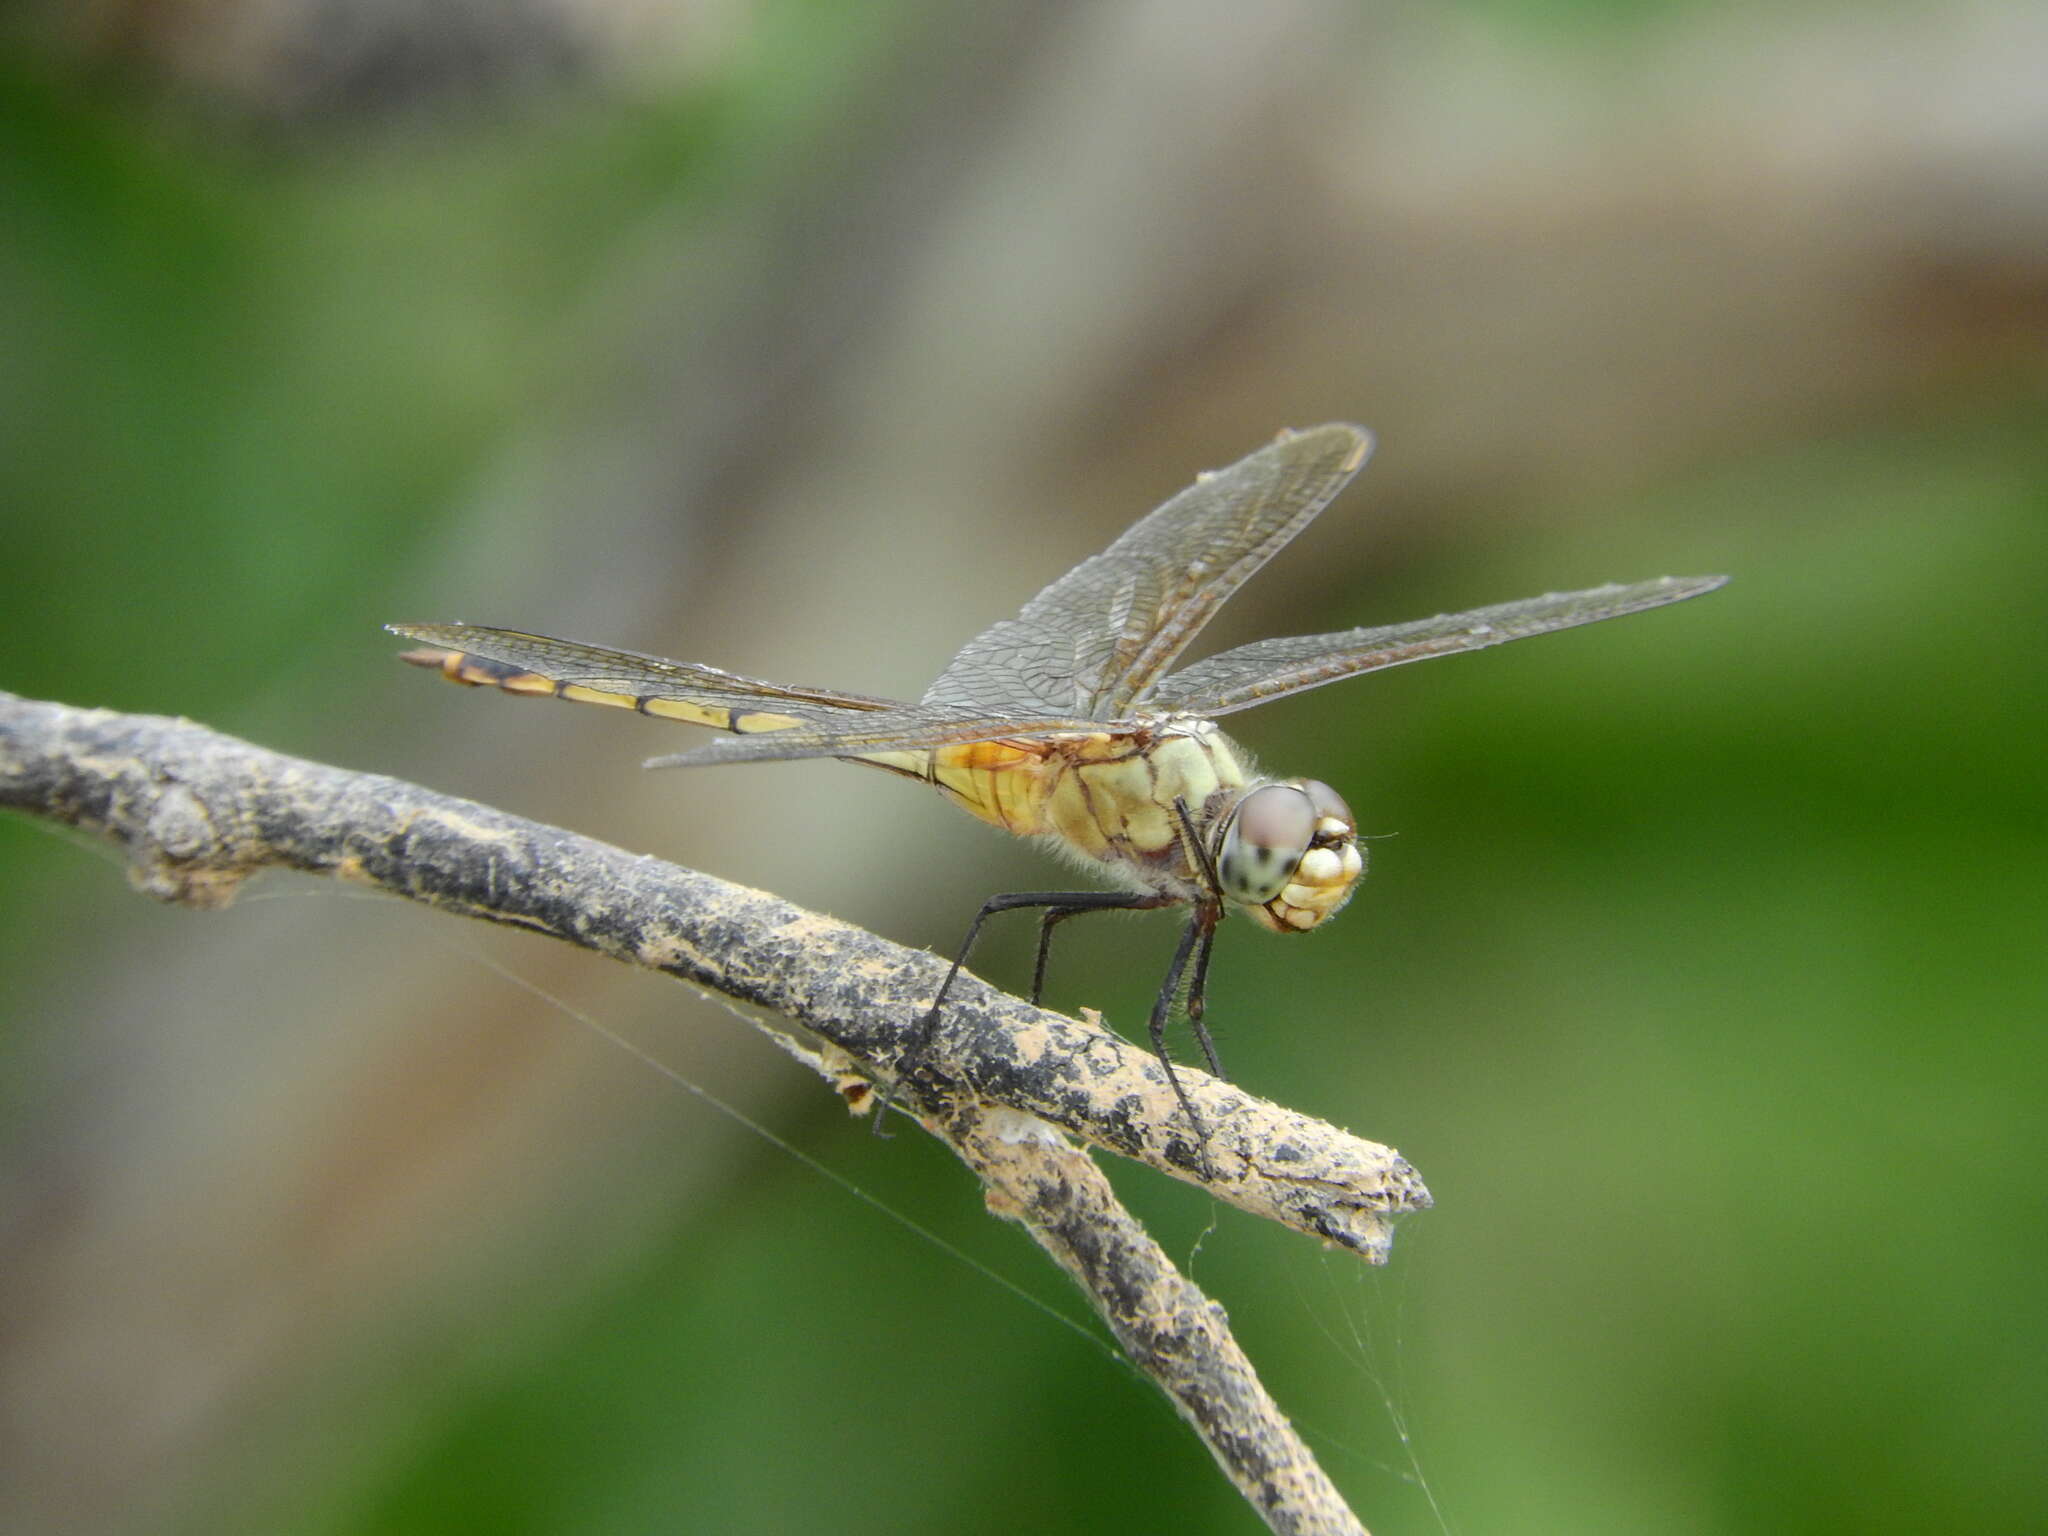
pixel 1091 644
pixel 1266 669
pixel 593 673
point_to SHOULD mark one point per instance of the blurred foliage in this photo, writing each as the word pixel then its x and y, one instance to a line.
pixel 252 367
pixel 1700 971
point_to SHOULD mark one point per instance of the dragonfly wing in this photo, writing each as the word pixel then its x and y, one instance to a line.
pixel 912 728
pixel 653 685
pixel 1267 669
pixel 1092 643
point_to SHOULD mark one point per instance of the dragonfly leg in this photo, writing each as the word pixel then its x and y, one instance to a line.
pixel 1198 987
pixel 1194 941
pixel 1054 916
pixel 1059 906
pixel 1205 917
pixel 1192 839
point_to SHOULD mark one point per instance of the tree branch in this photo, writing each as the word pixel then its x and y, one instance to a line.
pixel 199 812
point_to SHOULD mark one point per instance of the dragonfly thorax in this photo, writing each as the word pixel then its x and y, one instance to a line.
pixel 1287 853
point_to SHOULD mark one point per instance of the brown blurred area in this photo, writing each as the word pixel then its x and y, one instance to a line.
pixel 1030 269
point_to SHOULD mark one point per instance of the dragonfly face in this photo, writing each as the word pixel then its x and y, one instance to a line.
pixel 1067 724
pixel 1288 855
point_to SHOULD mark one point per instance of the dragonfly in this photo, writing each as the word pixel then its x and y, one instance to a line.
pixel 1066 724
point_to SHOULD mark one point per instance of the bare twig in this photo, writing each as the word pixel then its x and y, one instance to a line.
pixel 199 812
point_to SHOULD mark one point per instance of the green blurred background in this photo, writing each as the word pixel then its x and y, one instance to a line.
pixel 1700 968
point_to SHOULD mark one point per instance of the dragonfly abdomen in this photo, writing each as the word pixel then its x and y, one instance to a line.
pixel 1007 784
pixel 482 672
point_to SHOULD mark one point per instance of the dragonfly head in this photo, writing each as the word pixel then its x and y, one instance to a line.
pixel 1288 854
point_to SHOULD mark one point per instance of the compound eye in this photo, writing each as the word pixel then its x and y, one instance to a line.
pixel 1273 828
pixel 1329 806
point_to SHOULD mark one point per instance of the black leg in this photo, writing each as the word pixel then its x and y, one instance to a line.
pixel 1054 916
pixel 1201 927
pixel 1198 988
pixel 1197 849
pixel 1206 916
pixel 1059 905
